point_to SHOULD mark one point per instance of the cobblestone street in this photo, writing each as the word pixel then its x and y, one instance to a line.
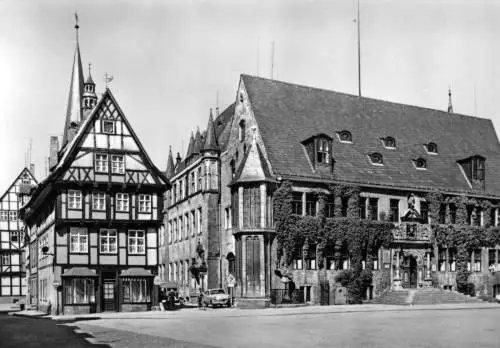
pixel 304 327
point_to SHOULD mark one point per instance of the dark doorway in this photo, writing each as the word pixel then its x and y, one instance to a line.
pixel 109 292
pixel 413 272
pixel 410 272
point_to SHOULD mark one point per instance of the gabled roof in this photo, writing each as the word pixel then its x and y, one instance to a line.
pixel 223 126
pixel 23 171
pixel 71 148
pixel 287 114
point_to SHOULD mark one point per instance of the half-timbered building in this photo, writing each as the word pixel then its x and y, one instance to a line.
pixel 12 241
pixel 93 222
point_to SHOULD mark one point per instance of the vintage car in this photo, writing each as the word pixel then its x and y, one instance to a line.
pixel 217 297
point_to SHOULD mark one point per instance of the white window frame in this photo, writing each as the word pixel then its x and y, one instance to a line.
pixel 101 163
pixel 4 215
pixel 122 202
pixel 104 128
pixel 75 199
pixel 108 241
pixel 136 242
pixel 98 201
pixel 117 164
pixel 144 203
pixel 79 241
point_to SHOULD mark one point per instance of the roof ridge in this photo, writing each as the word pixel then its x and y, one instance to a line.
pixel 443 112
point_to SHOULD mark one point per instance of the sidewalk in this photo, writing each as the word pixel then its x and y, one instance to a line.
pixel 9 307
pixel 235 312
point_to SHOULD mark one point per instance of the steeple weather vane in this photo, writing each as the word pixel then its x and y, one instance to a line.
pixel 76 25
pixel 108 79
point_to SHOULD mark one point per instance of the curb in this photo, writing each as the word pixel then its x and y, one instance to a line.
pixel 36 316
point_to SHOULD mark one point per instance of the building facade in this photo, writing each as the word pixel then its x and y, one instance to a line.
pixel 12 241
pixel 94 222
pixel 192 219
pixel 349 162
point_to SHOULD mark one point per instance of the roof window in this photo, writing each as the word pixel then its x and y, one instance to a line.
pixel 431 148
pixel 389 142
pixel 420 163
pixel 376 158
pixel 345 136
pixel 319 150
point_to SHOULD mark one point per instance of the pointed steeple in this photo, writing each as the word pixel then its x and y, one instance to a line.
pixel 74 110
pixel 190 146
pixel 197 141
pixel 170 164
pixel 210 139
pixel 450 105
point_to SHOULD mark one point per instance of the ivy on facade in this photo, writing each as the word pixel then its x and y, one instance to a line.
pixel 360 239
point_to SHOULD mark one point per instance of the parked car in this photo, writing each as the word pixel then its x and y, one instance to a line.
pixel 217 297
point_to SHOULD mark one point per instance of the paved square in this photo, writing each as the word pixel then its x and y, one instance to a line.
pixel 305 327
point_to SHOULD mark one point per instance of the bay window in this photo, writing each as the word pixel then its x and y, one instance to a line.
pixel 136 290
pixel 79 291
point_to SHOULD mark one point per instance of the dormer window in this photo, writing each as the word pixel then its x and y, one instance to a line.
pixel 376 158
pixel 323 151
pixel 432 148
pixel 474 168
pixel 319 149
pixel 345 136
pixel 389 142
pixel 420 163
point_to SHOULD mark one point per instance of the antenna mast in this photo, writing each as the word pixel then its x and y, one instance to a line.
pixel 359 54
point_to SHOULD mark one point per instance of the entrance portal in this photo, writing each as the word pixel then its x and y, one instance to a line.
pixel 409 267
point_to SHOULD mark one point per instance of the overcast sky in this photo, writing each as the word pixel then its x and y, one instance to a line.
pixel 170 58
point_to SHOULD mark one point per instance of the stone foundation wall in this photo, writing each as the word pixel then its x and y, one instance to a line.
pixel 75 310
pixel 141 307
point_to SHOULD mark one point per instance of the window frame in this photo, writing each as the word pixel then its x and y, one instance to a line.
pixel 108 122
pixel 75 200
pixel 387 140
pixel 82 242
pixel 97 199
pixel 323 151
pixel 122 202
pixel 101 163
pixel 117 167
pixel 374 156
pixel 345 136
pixel 133 239
pixel 105 239
pixel 145 204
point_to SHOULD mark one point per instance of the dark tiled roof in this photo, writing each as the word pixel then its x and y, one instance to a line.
pixel 223 126
pixel 288 114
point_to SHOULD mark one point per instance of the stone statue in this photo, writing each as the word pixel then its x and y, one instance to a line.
pixel 411 201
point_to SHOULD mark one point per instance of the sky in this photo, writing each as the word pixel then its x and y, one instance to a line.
pixel 174 60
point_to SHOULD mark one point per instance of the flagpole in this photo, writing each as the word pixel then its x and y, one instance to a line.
pixel 359 54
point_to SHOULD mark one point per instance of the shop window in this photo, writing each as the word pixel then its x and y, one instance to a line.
pixel 79 291
pixel 136 290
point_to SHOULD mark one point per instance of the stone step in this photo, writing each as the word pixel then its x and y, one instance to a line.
pixel 423 296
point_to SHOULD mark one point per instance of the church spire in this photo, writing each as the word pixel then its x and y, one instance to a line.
pixel 450 105
pixel 74 110
pixel 89 98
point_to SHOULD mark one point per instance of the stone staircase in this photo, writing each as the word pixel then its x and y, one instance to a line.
pixel 409 297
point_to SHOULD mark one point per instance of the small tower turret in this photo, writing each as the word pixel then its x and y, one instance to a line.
pixel 89 98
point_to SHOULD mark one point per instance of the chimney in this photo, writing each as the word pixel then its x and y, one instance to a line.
pixel 178 158
pixel 54 149
pixel 32 169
